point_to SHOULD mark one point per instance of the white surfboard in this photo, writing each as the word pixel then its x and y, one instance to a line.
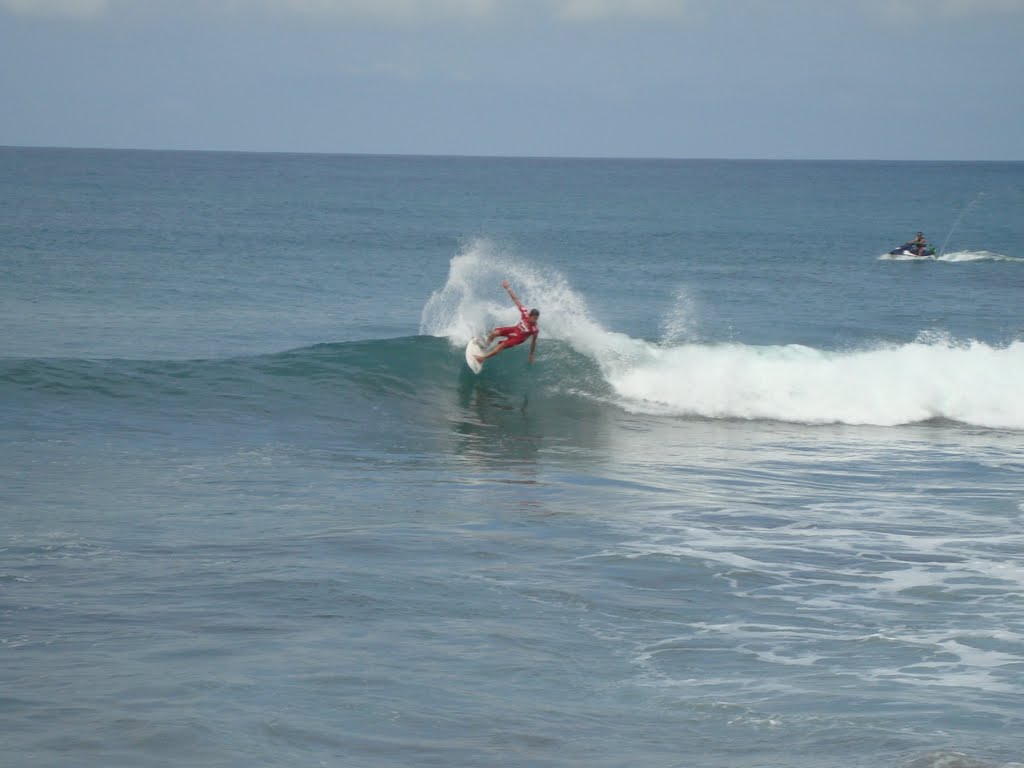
pixel 472 350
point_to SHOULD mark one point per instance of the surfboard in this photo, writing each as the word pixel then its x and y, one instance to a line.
pixel 472 350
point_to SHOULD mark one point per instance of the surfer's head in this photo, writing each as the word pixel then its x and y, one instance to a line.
pixel 534 313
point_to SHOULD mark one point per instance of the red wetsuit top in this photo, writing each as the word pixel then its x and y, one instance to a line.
pixel 518 333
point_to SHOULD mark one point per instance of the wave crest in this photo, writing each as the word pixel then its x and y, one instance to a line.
pixel 931 378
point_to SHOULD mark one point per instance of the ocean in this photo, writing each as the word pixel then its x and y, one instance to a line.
pixel 757 503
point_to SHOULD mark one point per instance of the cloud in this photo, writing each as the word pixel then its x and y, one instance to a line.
pixel 72 8
pixel 920 10
pixel 566 11
pixel 423 9
pixel 397 10
pixel 602 9
pixel 387 9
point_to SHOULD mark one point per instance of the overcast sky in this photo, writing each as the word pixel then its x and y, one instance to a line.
pixel 885 79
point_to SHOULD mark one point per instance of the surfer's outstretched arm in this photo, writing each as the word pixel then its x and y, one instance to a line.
pixel 511 293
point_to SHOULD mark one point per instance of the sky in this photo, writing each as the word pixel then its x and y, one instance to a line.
pixel 771 79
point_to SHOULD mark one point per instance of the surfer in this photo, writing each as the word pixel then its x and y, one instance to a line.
pixel 512 335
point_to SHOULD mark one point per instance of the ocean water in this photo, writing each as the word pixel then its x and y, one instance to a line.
pixel 758 502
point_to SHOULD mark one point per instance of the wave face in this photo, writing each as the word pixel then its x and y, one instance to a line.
pixel 313 379
pixel 934 378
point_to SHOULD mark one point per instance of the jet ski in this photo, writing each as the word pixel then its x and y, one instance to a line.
pixel 914 251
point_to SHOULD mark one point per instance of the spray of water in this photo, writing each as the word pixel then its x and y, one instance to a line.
pixel 975 201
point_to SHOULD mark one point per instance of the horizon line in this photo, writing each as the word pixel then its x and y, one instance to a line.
pixel 470 156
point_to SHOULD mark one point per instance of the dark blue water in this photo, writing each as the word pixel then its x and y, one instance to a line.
pixel 757 503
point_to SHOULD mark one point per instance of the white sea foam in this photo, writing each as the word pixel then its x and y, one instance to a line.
pixel 970 382
pixel 977 256
pixel 953 257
